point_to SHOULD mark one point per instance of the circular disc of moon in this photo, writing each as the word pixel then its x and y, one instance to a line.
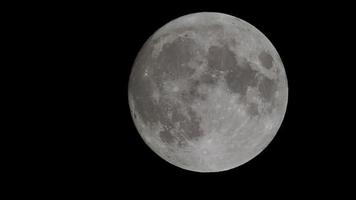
pixel 208 92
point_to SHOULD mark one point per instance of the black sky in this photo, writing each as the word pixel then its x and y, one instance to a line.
pixel 87 51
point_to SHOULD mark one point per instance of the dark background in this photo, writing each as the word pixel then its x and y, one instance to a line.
pixel 85 140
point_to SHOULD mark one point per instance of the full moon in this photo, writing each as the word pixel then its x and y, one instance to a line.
pixel 208 92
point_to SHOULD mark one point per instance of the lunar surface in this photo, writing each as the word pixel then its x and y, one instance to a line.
pixel 208 92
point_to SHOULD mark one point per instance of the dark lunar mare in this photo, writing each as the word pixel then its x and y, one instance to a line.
pixel 267 88
pixel 266 59
pixel 238 76
pixel 172 61
pixel 171 64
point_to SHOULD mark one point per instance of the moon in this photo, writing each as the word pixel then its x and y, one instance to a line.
pixel 208 92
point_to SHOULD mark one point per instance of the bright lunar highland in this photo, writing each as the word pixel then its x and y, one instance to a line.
pixel 208 92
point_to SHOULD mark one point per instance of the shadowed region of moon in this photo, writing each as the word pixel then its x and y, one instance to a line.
pixel 208 92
